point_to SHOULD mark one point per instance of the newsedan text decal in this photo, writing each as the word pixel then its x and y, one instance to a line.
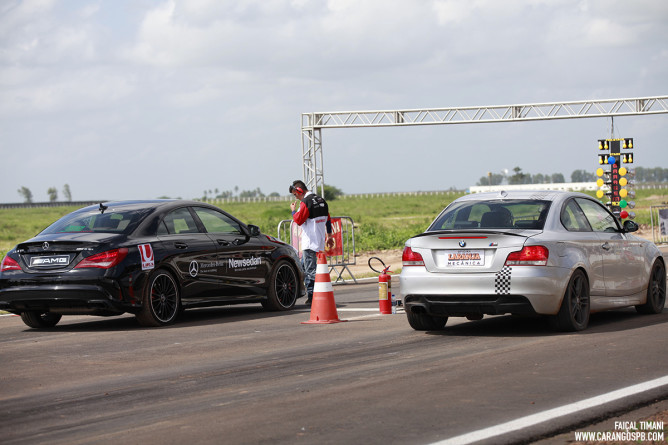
pixel 246 263
pixel 238 265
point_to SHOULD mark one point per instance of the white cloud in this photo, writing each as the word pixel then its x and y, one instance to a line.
pixel 193 82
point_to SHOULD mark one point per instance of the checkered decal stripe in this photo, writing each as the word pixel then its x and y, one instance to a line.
pixel 502 281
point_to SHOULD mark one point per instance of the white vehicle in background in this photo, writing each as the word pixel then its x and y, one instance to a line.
pixel 559 254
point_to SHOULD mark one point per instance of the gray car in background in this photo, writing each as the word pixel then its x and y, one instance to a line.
pixel 559 254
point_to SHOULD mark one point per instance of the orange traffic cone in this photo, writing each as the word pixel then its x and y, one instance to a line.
pixel 323 306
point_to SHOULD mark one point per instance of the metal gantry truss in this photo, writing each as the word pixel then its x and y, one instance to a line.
pixel 313 123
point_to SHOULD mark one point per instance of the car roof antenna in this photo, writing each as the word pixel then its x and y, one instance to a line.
pixel 103 208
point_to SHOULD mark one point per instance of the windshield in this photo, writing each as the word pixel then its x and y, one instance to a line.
pixel 122 221
pixel 493 214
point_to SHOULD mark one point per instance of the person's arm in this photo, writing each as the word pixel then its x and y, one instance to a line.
pixel 328 225
pixel 301 215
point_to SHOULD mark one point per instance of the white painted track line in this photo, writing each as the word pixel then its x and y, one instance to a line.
pixel 544 416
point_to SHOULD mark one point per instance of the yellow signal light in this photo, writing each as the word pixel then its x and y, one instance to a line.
pixel 623 182
pixel 599 193
pixel 622 171
pixel 599 171
pixel 623 193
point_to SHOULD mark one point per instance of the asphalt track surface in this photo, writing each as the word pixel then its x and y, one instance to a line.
pixel 241 375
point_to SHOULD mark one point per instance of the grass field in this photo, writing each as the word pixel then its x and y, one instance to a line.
pixel 380 222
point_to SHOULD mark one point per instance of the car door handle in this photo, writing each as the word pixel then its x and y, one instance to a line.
pixel 606 246
pixel 181 245
pixel 222 242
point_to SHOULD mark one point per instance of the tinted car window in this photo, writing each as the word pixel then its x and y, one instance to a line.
pixel 573 219
pixel 599 218
pixel 216 222
pixel 510 214
pixel 96 221
pixel 178 221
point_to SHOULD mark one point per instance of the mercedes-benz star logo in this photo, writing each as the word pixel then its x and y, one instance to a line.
pixel 462 243
pixel 194 269
pixel 45 246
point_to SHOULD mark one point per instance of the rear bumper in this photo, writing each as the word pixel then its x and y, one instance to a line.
pixel 63 299
pixel 518 290
pixel 467 305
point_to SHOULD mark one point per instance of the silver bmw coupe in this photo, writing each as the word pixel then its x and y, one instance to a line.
pixel 559 254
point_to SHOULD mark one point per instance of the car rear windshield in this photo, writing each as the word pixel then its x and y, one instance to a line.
pixel 95 221
pixel 493 214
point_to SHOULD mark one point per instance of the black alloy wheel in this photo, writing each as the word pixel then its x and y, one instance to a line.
pixel 656 290
pixel 37 319
pixel 161 302
pixel 575 307
pixel 283 288
pixel 425 322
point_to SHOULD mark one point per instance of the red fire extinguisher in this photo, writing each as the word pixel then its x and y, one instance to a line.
pixel 384 287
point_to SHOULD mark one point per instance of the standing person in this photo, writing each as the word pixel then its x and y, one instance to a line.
pixel 313 218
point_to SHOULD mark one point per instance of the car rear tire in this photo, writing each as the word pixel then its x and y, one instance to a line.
pixel 37 319
pixel 575 307
pixel 161 302
pixel 425 322
pixel 283 288
pixel 656 290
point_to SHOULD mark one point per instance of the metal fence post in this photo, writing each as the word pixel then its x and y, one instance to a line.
pixel 338 259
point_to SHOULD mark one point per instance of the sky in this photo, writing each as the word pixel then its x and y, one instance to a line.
pixel 140 99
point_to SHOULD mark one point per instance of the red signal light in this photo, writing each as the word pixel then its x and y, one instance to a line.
pixel 9 263
pixel 529 256
pixel 410 258
pixel 104 260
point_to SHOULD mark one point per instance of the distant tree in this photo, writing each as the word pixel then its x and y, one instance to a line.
pixel 257 193
pixel 331 192
pixel 53 194
pixel 582 176
pixel 491 179
pixel 274 195
pixel 557 178
pixel 539 178
pixel 518 177
pixel 67 193
pixel 224 194
pixel 640 174
pixel 26 193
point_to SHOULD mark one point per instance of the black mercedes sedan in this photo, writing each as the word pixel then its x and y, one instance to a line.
pixel 149 258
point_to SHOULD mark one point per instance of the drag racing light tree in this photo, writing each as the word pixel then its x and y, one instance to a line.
pixel 614 180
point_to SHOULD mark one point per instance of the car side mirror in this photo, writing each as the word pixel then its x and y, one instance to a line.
pixel 630 226
pixel 255 230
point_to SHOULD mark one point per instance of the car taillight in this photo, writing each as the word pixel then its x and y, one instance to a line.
pixel 9 263
pixel 410 258
pixel 529 256
pixel 104 260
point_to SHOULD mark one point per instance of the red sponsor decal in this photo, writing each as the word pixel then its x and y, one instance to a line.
pixel 146 253
pixel 334 246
